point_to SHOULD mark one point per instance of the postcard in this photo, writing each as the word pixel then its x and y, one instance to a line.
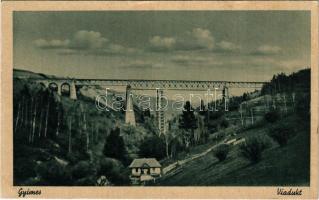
pixel 151 99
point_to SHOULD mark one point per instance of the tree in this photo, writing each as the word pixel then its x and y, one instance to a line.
pixel 221 152
pixel 147 112
pixel 281 134
pixel 153 147
pixel 188 122
pixel 272 116
pixel 253 148
pixel 114 146
pixel 202 108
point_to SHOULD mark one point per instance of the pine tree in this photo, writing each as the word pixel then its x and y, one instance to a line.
pixel 188 122
pixel 114 145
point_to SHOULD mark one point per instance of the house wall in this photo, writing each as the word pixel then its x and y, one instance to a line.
pixel 156 170
pixel 136 172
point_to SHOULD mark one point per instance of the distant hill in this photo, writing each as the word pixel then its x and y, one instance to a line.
pixel 21 73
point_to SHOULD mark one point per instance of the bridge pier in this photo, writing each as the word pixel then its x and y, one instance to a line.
pixel 59 89
pixel 160 115
pixel 129 109
pixel 73 91
pixel 226 97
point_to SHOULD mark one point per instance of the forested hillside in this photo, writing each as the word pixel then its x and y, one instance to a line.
pixel 60 141
pixel 270 134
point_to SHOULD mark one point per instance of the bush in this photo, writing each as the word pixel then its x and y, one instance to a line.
pixel 281 134
pixel 24 168
pixel 153 147
pixel 253 147
pixel 213 115
pixel 86 181
pixel 221 152
pixel 106 166
pixel 54 174
pixel 82 169
pixel 272 116
pixel 114 171
pixel 224 123
pixel 218 135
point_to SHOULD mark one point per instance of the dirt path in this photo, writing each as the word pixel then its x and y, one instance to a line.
pixel 174 165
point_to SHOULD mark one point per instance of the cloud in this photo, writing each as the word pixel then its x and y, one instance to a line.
pixel 84 42
pixel 225 46
pixel 82 39
pixel 187 60
pixel 203 38
pixel 267 50
pixel 67 52
pixel 159 43
pixel 87 40
pixel 114 49
pixel 196 60
pixel 51 44
pixel 143 64
pixel 197 39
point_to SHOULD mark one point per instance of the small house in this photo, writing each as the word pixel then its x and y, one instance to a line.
pixel 145 169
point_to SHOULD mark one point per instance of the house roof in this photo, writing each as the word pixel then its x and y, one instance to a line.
pixel 139 162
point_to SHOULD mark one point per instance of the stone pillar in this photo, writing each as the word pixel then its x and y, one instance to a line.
pixel 72 90
pixel 45 83
pixel 59 88
pixel 129 109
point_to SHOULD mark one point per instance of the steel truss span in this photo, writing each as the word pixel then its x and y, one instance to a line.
pixel 163 84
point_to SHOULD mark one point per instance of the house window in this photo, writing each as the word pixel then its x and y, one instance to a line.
pixel 136 169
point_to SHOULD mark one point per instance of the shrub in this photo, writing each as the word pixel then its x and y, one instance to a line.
pixel 53 173
pixel 272 116
pixel 224 123
pixel 23 168
pixel 253 147
pixel 82 169
pixel 213 115
pixel 86 181
pixel 281 134
pixel 221 152
pixel 218 135
pixel 114 171
pixel 153 147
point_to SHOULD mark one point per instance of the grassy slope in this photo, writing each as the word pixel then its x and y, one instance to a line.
pixel 280 166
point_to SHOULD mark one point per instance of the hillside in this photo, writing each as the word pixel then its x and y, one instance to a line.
pixel 273 169
pixel 20 73
pixel 60 141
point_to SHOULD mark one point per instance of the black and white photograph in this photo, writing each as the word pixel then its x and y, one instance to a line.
pixel 178 100
pixel 161 98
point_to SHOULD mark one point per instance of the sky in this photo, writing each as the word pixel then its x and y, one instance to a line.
pixel 171 45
